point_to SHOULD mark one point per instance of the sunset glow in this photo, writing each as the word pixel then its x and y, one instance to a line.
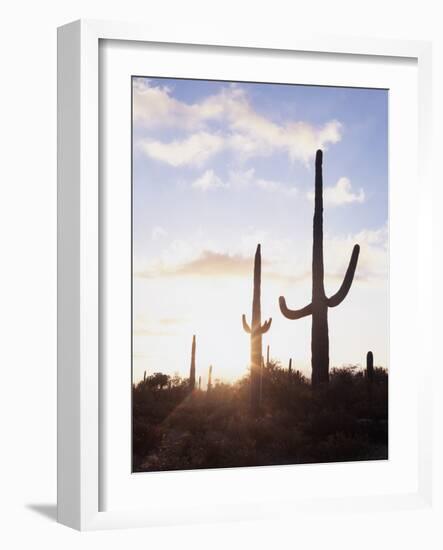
pixel 219 168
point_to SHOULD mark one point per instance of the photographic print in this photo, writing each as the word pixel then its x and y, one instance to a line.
pixel 259 274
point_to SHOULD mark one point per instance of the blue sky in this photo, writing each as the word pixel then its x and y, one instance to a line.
pixel 219 167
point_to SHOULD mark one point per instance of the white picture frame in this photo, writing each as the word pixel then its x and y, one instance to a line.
pixel 80 411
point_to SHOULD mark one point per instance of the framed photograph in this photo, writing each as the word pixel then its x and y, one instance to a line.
pixel 240 222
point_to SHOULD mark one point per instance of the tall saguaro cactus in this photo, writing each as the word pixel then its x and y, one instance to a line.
pixel 192 368
pixel 262 372
pixel 318 308
pixel 290 366
pixel 370 366
pixel 209 379
pixel 256 330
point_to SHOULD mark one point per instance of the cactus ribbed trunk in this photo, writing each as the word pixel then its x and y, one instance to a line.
pixel 320 337
pixel 256 330
pixel 320 346
pixel 370 366
pixel 192 368
pixel 320 303
pixel 262 371
pixel 210 379
pixel 256 335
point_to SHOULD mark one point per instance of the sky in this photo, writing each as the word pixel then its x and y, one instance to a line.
pixel 219 167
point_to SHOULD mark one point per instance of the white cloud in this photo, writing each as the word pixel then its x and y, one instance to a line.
pixel 241 179
pixel 194 150
pixel 158 232
pixel 245 131
pixel 268 185
pixel 247 178
pixel 153 106
pixel 341 193
pixel 286 260
pixel 207 181
pixel 209 263
pixel 373 258
pixel 276 187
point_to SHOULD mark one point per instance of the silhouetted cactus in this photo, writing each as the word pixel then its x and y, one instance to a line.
pixel 290 366
pixel 144 376
pixel 192 368
pixel 256 330
pixel 370 366
pixel 199 382
pixel 318 308
pixel 267 356
pixel 210 379
pixel 262 370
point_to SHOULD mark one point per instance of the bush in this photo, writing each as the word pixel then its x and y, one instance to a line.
pixel 174 428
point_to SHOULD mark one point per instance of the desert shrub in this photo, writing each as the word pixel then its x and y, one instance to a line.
pixel 174 428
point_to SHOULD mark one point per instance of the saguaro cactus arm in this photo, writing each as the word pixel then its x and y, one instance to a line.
pixel 246 327
pixel 266 326
pixel 294 313
pixel 342 292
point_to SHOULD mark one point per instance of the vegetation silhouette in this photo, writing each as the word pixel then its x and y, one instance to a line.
pixel 175 429
pixel 318 308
